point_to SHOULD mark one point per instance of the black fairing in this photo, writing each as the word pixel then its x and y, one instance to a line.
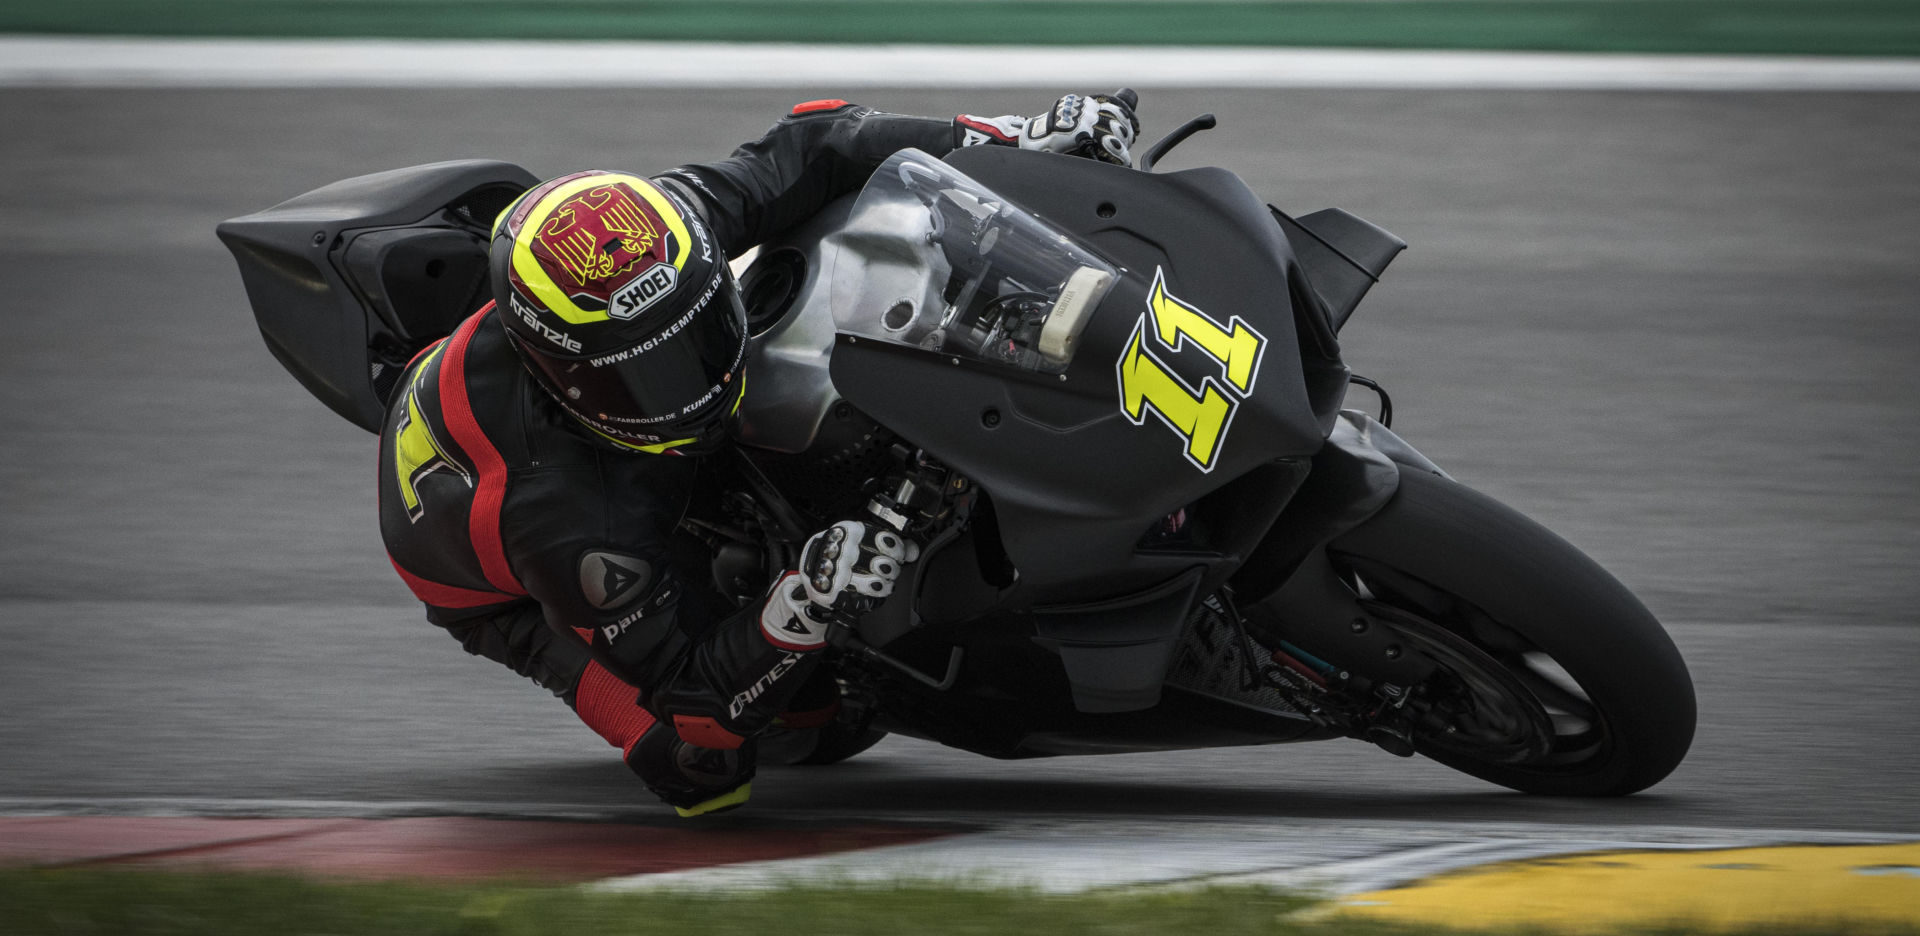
pixel 350 280
pixel 1344 254
pixel 1076 485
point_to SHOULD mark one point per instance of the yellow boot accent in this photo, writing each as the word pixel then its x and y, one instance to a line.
pixel 719 803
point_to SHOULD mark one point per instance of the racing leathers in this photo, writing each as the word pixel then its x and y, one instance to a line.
pixel 559 554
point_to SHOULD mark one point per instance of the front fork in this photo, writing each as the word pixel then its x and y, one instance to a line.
pixel 1298 603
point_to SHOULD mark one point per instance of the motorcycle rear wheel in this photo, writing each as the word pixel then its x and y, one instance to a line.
pixel 839 742
pixel 1617 693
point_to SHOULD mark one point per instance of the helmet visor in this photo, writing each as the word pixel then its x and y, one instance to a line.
pixel 662 383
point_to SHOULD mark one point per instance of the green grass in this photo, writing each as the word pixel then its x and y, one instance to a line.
pixel 135 903
pixel 1817 27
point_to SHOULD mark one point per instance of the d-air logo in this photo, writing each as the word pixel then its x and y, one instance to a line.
pixel 416 453
pixel 661 598
pixel 1199 416
pixel 599 233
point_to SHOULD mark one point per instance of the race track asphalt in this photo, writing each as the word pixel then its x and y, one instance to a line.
pixel 1679 329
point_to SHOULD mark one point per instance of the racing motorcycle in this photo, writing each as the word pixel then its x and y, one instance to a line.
pixel 1109 401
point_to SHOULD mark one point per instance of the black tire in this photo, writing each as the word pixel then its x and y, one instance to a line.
pixel 828 744
pixel 839 742
pixel 1524 596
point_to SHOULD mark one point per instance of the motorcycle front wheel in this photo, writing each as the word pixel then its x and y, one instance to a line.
pixel 1555 678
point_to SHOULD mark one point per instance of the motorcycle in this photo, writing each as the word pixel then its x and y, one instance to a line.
pixel 1110 402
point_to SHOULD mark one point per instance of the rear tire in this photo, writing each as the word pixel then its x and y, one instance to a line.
pixel 816 747
pixel 1590 653
pixel 839 742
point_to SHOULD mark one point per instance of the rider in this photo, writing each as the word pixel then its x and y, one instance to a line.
pixel 528 489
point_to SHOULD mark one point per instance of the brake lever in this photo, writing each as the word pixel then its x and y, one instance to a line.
pixel 1177 137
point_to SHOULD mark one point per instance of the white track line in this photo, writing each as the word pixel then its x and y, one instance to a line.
pixel 1318 856
pixel 62 61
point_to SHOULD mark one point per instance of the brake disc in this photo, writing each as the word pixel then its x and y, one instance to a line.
pixel 1473 705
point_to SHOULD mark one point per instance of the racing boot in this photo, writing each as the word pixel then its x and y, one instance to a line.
pixel 748 670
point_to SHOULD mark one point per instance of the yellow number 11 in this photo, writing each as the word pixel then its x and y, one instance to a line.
pixel 1200 417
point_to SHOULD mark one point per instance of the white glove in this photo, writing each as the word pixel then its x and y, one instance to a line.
pixel 1099 127
pixel 845 569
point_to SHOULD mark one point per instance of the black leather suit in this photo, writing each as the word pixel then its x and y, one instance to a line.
pixel 557 555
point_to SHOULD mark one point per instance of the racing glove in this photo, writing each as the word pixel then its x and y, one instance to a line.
pixel 845 570
pixel 1100 126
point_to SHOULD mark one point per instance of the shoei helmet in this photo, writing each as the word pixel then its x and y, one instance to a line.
pixel 623 307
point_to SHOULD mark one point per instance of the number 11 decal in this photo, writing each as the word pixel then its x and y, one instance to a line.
pixel 1199 415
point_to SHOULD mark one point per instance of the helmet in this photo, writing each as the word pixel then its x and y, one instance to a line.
pixel 622 306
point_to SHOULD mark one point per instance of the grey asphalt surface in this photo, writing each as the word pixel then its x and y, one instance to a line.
pixel 1677 328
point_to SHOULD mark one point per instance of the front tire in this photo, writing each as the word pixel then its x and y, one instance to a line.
pixel 1620 702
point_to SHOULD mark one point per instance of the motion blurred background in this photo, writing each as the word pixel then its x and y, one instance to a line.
pixel 1780 27
pixel 1676 326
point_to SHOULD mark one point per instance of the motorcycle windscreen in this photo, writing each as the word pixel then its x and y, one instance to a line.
pixel 931 259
